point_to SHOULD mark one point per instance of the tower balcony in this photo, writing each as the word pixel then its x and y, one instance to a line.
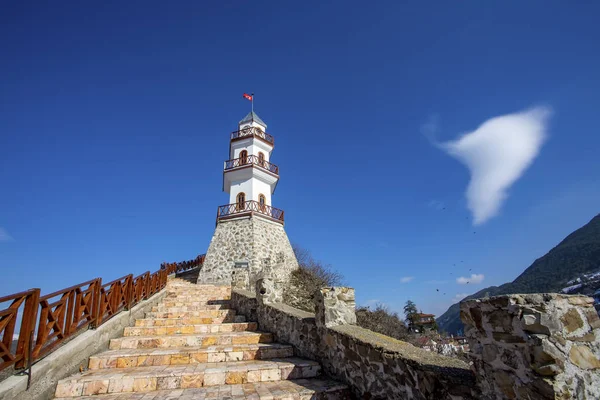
pixel 251 207
pixel 252 131
pixel 252 160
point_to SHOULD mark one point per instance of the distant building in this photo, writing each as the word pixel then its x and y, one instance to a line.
pixel 422 322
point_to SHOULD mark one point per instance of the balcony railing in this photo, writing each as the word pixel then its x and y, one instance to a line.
pixel 249 207
pixel 251 160
pixel 252 131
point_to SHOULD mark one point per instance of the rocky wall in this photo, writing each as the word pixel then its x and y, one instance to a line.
pixel 259 247
pixel 535 346
pixel 375 366
pixel 288 324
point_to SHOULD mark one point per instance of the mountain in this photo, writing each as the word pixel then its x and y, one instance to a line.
pixel 578 253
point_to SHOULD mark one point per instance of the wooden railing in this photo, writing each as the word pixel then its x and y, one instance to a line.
pixel 63 313
pixel 183 265
pixel 48 321
pixel 252 131
pixel 249 207
pixel 251 160
pixel 26 305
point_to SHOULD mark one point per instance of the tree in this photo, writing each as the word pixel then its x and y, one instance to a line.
pixel 410 309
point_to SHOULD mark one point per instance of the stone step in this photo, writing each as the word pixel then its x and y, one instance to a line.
pixel 146 322
pixel 190 314
pixel 127 358
pixel 198 293
pixel 192 300
pixel 189 329
pixel 147 379
pixel 199 339
pixel 180 303
pixel 301 389
pixel 199 289
pixel 205 307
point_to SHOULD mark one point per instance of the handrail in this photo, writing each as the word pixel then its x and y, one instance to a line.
pixel 252 131
pixel 27 303
pixel 114 297
pixel 248 207
pixel 48 321
pixel 63 313
pixel 251 160
pixel 183 265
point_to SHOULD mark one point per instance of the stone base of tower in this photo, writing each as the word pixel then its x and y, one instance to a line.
pixel 243 250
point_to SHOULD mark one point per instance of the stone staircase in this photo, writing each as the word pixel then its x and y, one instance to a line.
pixel 193 346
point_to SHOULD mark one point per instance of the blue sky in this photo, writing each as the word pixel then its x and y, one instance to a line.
pixel 114 123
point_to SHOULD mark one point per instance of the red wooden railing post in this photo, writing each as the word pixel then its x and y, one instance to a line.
pixel 147 286
pixel 96 303
pixel 28 322
pixel 129 291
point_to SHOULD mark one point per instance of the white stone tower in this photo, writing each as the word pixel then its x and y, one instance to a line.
pixel 249 240
pixel 248 176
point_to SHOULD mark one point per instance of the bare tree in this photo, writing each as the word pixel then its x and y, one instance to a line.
pixel 312 275
pixel 382 320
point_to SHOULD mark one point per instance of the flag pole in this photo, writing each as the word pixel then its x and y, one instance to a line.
pixel 252 102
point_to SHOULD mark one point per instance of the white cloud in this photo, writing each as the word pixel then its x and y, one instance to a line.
pixel 473 279
pixel 4 236
pixel 497 154
pixel 458 297
pixel 407 279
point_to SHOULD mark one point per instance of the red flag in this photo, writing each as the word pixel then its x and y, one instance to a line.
pixel 247 96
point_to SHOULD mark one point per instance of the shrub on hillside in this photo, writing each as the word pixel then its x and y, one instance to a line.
pixel 382 320
pixel 311 276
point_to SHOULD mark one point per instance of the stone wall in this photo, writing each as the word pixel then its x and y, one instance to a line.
pixel 535 346
pixel 260 243
pixel 375 366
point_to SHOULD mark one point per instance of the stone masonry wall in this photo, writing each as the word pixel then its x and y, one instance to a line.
pixel 374 365
pixel 535 346
pixel 261 243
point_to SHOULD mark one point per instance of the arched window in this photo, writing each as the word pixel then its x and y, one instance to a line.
pixel 243 157
pixel 261 159
pixel 241 201
pixel 262 201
